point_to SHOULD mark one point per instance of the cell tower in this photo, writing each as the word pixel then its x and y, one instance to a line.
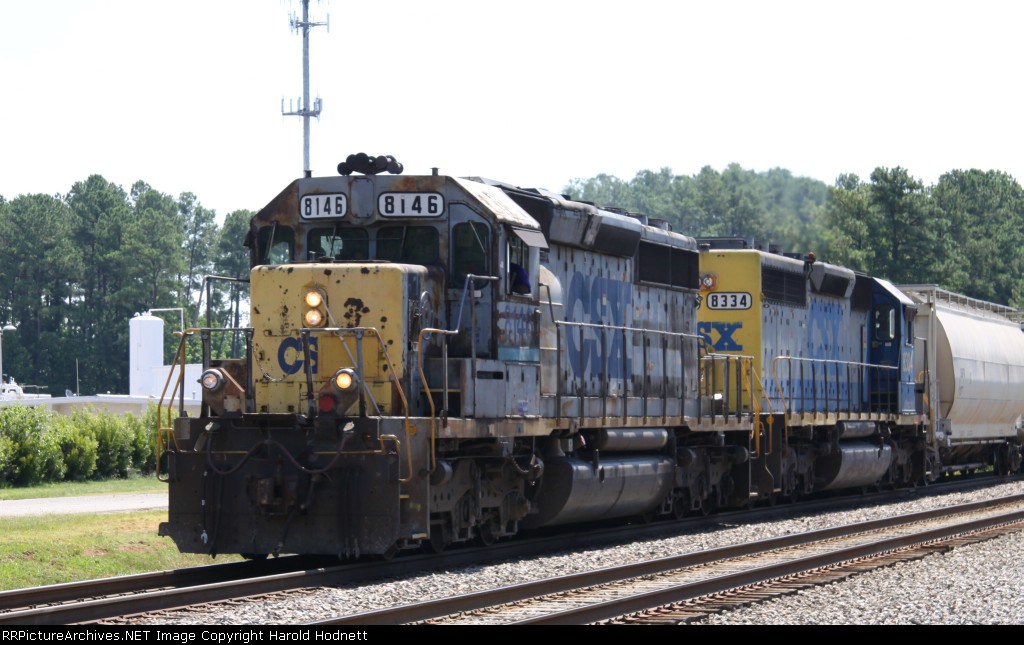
pixel 305 110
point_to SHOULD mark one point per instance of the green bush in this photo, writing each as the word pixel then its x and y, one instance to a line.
pixel 37 445
pixel 143 431
pixel 30 452
pixel 115 442
pixel 80 449
pixel 8 452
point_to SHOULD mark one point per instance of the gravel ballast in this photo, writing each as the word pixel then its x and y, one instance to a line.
pixel 973 584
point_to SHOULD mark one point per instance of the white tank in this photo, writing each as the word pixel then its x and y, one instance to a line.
pixel 146 351
pixel 976 358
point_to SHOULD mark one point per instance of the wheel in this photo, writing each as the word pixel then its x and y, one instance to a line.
pixel 440 539
pixel 679 507
pixel 486 534
pixel 706 507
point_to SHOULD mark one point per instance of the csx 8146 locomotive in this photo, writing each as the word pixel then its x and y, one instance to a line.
pixel 434 360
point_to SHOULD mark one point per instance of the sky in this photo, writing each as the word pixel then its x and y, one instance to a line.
pixel 187 95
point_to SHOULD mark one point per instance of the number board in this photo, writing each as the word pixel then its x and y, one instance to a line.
pixel 327 205
pixel 728 300
pixel 410 204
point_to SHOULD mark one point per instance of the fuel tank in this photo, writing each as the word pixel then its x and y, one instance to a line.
pixel 856 463
pixel 574 490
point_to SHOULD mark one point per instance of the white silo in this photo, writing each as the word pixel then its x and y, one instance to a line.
pixel 146 351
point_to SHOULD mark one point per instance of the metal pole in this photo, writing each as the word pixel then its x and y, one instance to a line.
pixel 305 88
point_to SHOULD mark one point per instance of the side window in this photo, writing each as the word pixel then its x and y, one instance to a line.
pixel 518 265
pixel 275 245
pixel 470 241
pixel 885 323
pixel 410 244
pixel 339 243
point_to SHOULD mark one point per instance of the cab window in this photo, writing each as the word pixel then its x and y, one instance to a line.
pixel 518 267
pixel 885 323
pixel 409 244
pixel 339 243
pixel 275 244
pixel 470 241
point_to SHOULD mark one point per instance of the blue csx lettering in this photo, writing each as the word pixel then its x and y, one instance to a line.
pixel 724 330
pixel 600 301
pixel 291 367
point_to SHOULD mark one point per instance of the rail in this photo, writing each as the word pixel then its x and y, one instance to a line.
pixel 421 339
pixel 358 361
pixel 933 294
pixel 730 394
pixel 165 433
pixel 811 395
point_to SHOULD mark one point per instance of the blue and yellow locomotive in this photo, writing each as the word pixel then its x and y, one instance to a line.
pixel 433 360
pixel 865 383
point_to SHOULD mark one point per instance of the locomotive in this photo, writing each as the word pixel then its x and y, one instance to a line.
pixel 433 360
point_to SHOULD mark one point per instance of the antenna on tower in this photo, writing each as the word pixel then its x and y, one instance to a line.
pixel 305 109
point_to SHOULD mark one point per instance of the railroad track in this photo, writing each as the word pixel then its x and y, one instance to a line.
pixel 120 599
pixel 689 587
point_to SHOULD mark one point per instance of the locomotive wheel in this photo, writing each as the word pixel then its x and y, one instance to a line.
pixel 486 535
pixel 679 507
pixel 706 507
pixel 440 539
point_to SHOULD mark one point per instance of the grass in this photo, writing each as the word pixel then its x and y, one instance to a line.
pixel 134 484
pixel 51 549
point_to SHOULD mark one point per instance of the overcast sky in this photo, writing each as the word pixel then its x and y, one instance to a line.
pixel 186 95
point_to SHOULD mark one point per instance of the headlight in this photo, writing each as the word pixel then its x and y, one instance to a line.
pixel 313 298
pixel 313 318
pixel 345 379
pixel 212 380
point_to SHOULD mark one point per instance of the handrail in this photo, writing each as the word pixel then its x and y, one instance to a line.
pixel 426 388
pixel 743 369
pixel 581 326
pixel 860 369
pixel 755 405
pixel 421 337
pixel 363 388
pixel 179 383
pixel 744 376
pixel 179 364
pixel 160 430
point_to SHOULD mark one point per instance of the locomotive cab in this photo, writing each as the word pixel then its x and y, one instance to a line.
pixel 381 307
pixel 890 343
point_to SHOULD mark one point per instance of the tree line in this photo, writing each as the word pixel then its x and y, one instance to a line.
pixel 965 233
pixel 77 267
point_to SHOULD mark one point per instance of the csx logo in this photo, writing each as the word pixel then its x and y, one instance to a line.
pixel 291 361
pixel 718 335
